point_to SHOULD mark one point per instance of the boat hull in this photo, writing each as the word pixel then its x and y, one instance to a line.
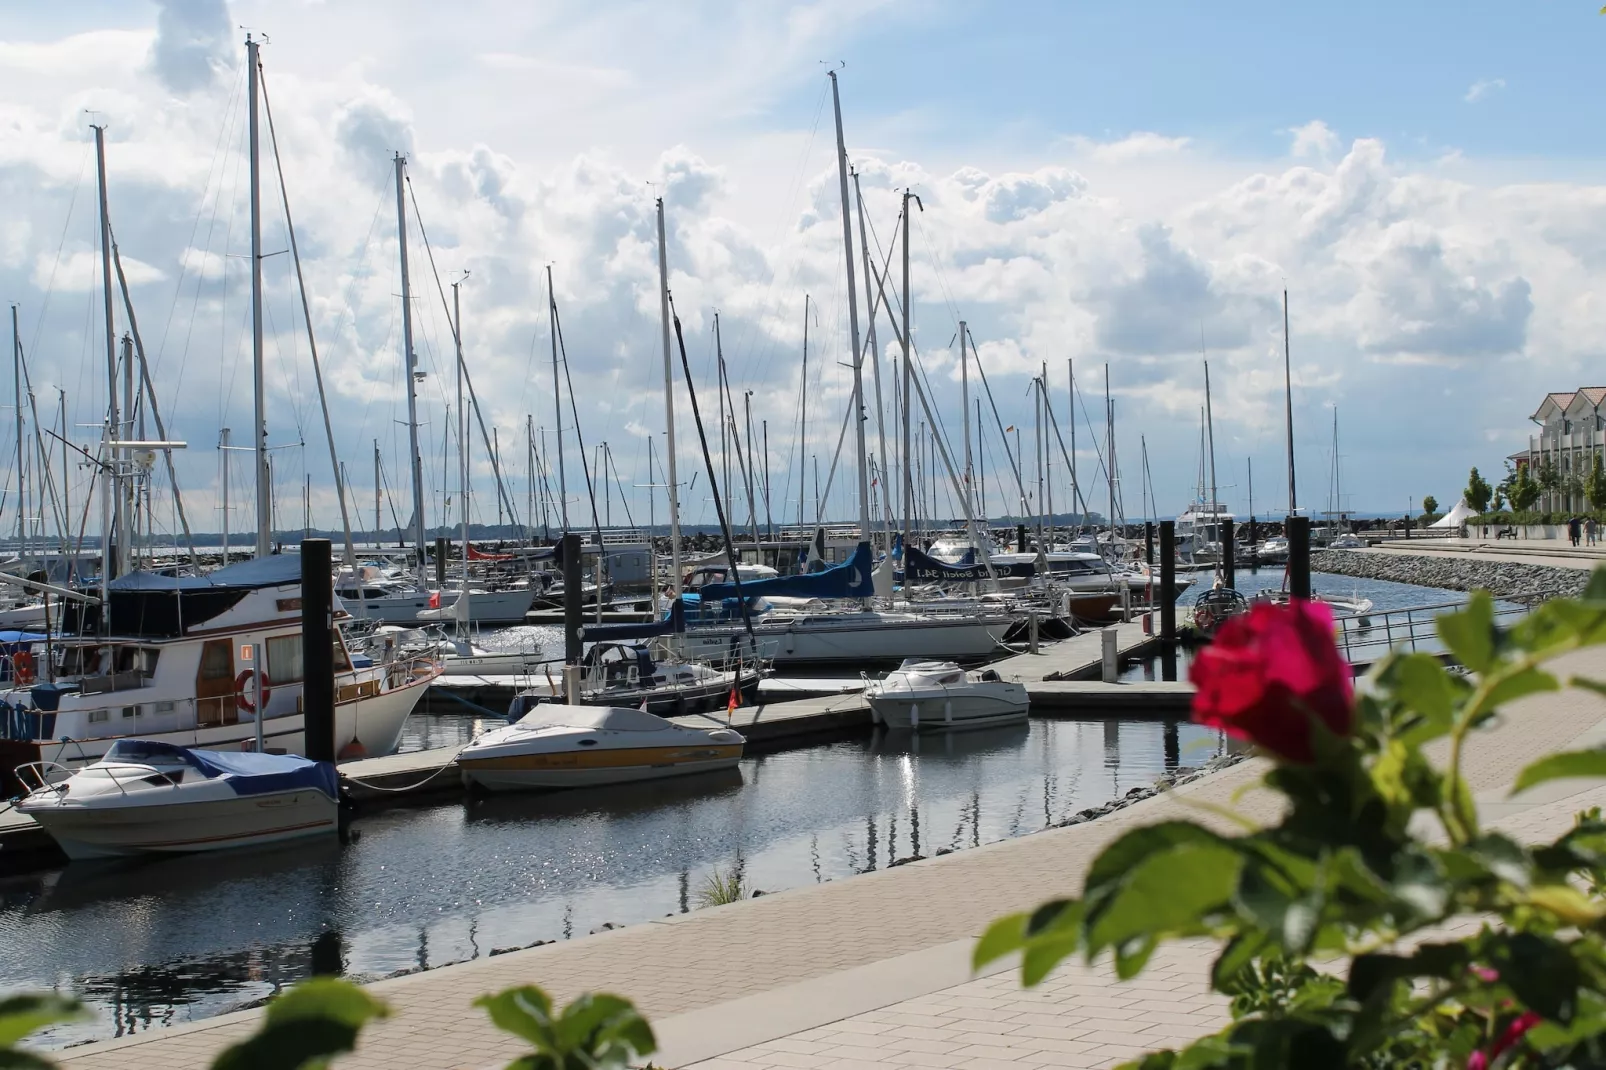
pixel 484 607
pixel 85 832
pixel 824 641
pixel 939 709
pixel 364 727
pixel 569 769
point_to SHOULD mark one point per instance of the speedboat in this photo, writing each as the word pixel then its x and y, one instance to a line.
pixel 1347 542
pixel 1274 551
pixel 556 746
pixel 147 797
pixel 627 674
pixel 923 694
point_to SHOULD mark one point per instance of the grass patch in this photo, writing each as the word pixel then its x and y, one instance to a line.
pixel 722 887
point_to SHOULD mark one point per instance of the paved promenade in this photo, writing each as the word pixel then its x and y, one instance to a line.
pixel 874 970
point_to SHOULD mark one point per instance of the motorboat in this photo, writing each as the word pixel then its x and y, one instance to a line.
pixel 629 674
pixel 562 746
pixel 374 594
pixel 1347 542
pixel 1273 551
pixel 459 655
pixel 1200 529
pixel 924 695
pixel 177 659
pixel 147 797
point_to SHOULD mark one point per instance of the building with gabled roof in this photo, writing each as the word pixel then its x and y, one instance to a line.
pixel 1572 432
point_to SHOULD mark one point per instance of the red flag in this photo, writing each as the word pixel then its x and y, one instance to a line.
pixel 735 701
pixel 434 600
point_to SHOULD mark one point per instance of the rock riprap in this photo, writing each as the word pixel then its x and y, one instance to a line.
pixel 1511 580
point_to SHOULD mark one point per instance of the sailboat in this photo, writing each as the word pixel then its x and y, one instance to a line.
pixel 210 661
pixel 1205 524
pixel 823 636
pixel 376 594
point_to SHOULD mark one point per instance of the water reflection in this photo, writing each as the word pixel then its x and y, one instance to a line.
pixel 178 939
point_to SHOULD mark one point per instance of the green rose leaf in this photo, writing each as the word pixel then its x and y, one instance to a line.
pixel 526 1012
pixel 1169 891
pixel 1470 634
pixel 1578 763
pixel 1540 972
pixel 305 1027
pixel 1003 936
pixel 31 1011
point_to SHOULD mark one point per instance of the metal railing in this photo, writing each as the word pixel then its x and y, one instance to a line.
pixel 1367 637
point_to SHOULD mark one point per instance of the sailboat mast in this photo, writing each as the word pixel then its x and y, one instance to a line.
pixel 557 392
pixel 461 616
pixel 1210 436
pixel 415 458
pixel 803 418
pixel 669 406
pixel 875 351
pixel 1109 451
pixel 108 500
pixel 16 376
pixel 907 377
pixel 377 477
pixel 259 430
pixel 853 317
pixel 1288 408
pixel 1070 395
pixel 964 407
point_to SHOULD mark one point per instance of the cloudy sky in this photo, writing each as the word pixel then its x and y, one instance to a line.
pixel 1102 184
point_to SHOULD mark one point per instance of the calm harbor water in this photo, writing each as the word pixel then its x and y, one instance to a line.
pixel 168 941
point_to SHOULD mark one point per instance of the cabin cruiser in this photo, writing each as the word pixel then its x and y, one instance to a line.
pixel 1347 542
pixel 177 660
pixel 628 674
pixel 146 797
pixel 378 594
pixel 1274 551
pixel 580 746
pixel 924 695
pixel 1200 529
pixel 459 655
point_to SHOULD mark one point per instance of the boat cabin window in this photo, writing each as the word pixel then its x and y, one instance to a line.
pixel 285 664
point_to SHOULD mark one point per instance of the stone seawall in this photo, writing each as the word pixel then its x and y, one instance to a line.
pixel 1511 580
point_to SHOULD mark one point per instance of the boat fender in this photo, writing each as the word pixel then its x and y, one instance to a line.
pixel 242 690
pixel 914 715
pixel 947 711
pixel 1065 604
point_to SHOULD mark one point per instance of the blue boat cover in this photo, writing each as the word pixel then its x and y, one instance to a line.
pixel 919 565
pixel 246 773
pixel 275 570
pixel 673 621
pixel 850 579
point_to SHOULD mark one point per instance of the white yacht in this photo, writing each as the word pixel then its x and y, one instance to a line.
pixel 925 694
pixel 166 659
pixel 146 797
pixel 372 594
pixel 1200 529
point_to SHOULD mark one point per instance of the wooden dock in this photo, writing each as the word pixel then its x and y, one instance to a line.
pixel 1061 680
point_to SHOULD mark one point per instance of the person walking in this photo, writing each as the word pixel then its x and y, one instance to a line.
pixel 1572 529
pixel 1589 531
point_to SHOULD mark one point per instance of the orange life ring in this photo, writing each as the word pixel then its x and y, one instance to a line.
pixel 22 667
pixel 242 689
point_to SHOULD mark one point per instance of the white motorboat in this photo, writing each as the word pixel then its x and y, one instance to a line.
pixel 373 595
pixel 925 695
pixel 166 658
pixel 1347 542
pixel 833 638
pixel 580 746
pixel 1274 551
pixel 627 674
pixel 459 655
pixel 146 797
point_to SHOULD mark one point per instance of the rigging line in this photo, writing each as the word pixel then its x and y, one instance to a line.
pixel 1097 452
pixel 993 405
pixel 66 224
pixel 942 282
pixel 312 343
pixel 620 484
pixel 230 116
pixel 479 417
pixel 713 480
pixel 580 442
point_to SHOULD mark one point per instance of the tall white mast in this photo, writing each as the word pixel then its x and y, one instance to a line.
pixel 415 459
pixel 964 393
pixel 16 375
pixel 669 406
pixel 259 432
pixel 110 502
pixel 853 318
pixel 803 417
pixel 875 358
pixel 906 375
pixel 1288 408
pixel 557 396
pixel 460 614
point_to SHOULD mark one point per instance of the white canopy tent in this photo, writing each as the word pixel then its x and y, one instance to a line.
pixel 1455 517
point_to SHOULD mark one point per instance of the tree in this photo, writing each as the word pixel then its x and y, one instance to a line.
pixel 1430 504
pixel 1548 478
pixel 1595 486
pixel 1478 492
pixel 1524 491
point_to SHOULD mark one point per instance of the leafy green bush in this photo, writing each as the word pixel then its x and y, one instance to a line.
pixel 1331 922
pixel 319 1019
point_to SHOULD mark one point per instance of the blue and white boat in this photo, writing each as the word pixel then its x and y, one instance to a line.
pixel 146 797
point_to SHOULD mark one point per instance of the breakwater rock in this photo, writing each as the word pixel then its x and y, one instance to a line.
pixel 1511 580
